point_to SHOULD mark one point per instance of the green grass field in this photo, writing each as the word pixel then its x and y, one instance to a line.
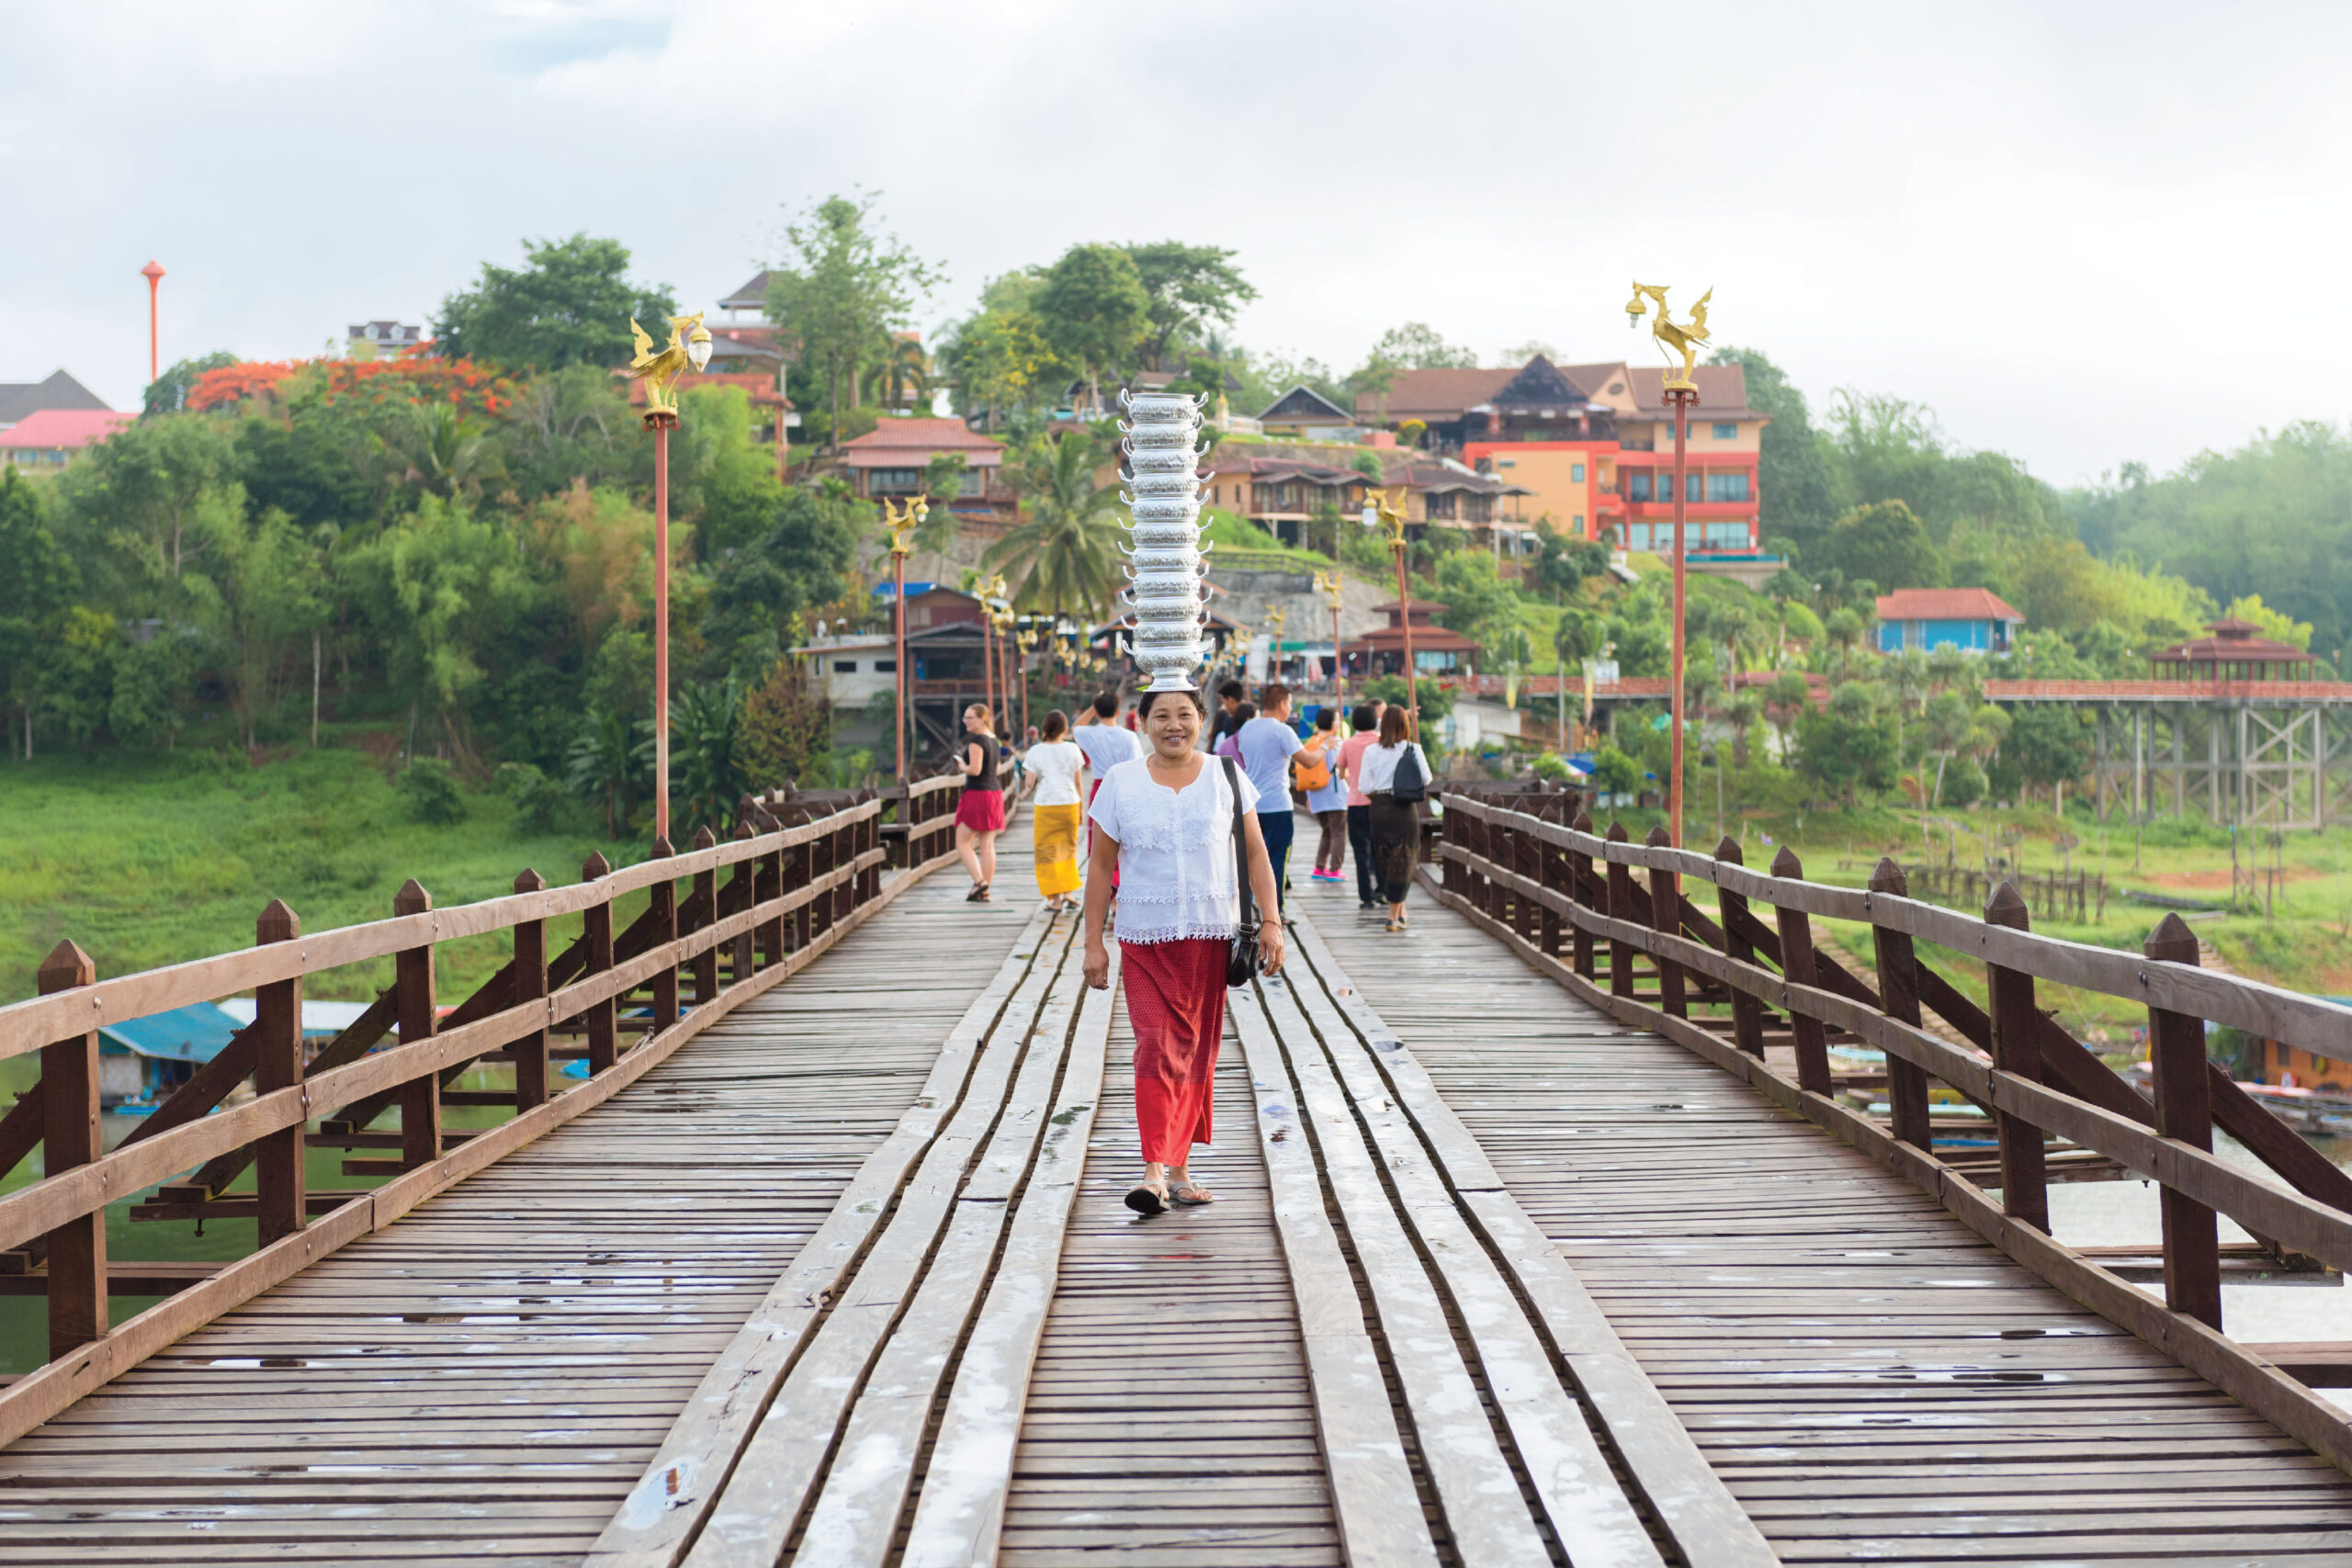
pixel 152 861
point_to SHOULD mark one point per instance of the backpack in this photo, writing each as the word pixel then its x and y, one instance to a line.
pixel 1311 768
pixel 1411 784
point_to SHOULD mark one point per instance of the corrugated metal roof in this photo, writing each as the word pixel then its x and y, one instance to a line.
pixel 192 1034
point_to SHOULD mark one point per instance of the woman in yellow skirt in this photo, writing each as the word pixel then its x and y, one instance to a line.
pixel 1056 765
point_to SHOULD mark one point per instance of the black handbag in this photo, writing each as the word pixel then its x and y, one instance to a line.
pixel 1411 784
pixel 1241 963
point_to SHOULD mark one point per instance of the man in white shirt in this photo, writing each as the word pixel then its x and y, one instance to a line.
pixel 1105 744
pixel 1266 744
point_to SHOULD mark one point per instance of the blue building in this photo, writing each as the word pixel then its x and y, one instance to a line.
pixel 1974 620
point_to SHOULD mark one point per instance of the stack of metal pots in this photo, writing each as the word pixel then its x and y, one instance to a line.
pixel 1169 598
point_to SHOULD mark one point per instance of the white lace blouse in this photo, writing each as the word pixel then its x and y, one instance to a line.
pixel 1176 871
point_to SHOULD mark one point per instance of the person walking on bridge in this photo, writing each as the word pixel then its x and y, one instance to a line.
pixel 1169 824
pixel 1394 775
pixel 1054 766
pixel 979 814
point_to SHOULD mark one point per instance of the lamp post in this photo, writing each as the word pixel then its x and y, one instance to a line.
pixel 1683 394
pixel 660 372
pixel 1277 618
pixel 1390 511
pixel 1327 585
pixel 1023 641
pixel 153 273
pixel 990 591
pixel 901 523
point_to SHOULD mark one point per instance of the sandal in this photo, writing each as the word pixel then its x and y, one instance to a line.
pixel 978 894
pixel 1396 925
pixel 1200 1194
pixel 1148 1199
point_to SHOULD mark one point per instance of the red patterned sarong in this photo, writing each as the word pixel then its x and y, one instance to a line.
pixel 1175 994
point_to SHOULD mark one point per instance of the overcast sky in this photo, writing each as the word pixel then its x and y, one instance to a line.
pixel 2083 234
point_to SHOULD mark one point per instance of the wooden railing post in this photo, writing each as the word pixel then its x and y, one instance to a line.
pixel 69 1091
pixel 1452 875
pixel 1898 990
pixel 1796 965
pixel 2184 1111
pixel 602 1018
pixel 705 900
pixel 1580 873
pixel 413 997
pixel 1665 919
pixel 663 908
pixel 530 1052
pixel 1747 1011
pixel 1527 860
pixel 747 877
pixel 1621 908
pixel 2017 1048
pixel 1551 874
pixel 278 1064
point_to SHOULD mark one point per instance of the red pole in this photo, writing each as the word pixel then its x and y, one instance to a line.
pixel 1412 689
pixel 662 630
pixel 1683 401
pixel 988 654
pixel 153 273
pixel 899 596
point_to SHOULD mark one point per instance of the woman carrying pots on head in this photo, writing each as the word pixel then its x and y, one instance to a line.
pixel 979 815
pixel 1166 824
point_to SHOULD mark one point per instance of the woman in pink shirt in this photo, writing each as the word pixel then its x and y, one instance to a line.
pixel 1366 723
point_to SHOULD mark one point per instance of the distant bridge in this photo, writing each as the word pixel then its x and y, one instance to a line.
pixel 1545 1234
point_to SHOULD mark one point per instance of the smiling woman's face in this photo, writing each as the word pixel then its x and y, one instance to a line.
pixel 1174 725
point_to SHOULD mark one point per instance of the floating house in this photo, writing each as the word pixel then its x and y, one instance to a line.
pixel 142 1060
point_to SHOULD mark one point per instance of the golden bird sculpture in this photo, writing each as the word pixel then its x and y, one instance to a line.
pixel 1672 339
pixel 660 371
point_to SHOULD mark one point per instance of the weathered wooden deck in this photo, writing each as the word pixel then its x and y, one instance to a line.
pixel 1493 1278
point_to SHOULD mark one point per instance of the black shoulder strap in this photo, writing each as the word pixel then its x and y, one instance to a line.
pixel 1240 844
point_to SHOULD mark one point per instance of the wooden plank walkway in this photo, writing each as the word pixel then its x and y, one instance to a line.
pixel 487 1379
pixel 1872 1380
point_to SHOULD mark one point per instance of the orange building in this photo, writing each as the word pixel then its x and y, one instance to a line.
pixel 1593 446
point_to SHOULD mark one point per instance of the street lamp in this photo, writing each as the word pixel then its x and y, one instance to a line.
pixel 660 372
pixel 1379 508
pixel 1327 585
pixel 153 273
pixel 1682 393
pixel 901 523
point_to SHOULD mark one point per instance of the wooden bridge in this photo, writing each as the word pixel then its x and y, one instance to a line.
pixel 1544 1236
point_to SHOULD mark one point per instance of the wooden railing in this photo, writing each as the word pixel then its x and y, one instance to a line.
pixel 722 923
pixel 1567 899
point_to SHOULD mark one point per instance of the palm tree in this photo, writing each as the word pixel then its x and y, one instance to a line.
pixel 1907 672
pixel 447 453
pixel 603 765
pixel 705 752
pixel 904 371
pixel 1064 556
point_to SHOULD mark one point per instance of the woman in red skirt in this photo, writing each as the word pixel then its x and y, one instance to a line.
pixel 979 814
pixel 1164 824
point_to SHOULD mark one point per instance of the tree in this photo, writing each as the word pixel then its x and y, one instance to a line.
pixel 603 766
pixel 1786 700
pixel 847 287
pixel 1886 541
pixel 164 490
pixel 274 600
pixel 999 355
pixel 1949 725
pixel 798 564
pixel 1848 748
pixel 36 589
pixel 1562 565
pixel 1064 555
pixel 1416 346
pixel 1186 287
pixel 168 392
pixel 1478 602
pixel 1095 311
pixel 1613 773
pixel 705 752
pixel 1577 636
pixel 570 303
pixel 2048 744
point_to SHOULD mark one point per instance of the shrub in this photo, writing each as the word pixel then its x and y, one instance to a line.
pixel 538 802
pixel 430 787
pixel 1963 782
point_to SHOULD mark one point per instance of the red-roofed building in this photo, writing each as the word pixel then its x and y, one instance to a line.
pixel 1437 650
pixel 47 439
pixel 888 460
pixel 2236 652
pixel 1974 620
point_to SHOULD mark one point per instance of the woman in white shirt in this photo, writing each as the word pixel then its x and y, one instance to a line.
pixel 1395 833
pixel 1055 764
pixel 1164 824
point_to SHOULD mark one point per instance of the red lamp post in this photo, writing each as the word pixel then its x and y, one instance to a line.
pixel 1683 399
pixel 153 273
